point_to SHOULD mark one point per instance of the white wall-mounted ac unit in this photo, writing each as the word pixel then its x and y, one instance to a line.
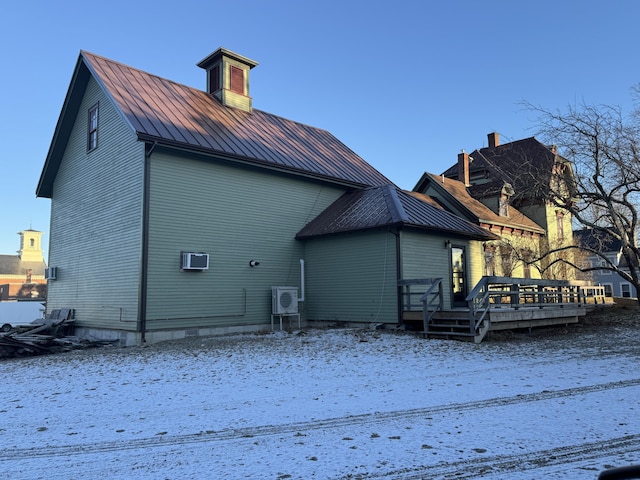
pixel 51 273
pixel 284 300
pixel 194 261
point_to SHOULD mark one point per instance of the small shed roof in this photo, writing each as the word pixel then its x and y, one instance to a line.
pixel 384 206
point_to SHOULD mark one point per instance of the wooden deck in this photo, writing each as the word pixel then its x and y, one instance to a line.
pixel 455 324
pixel 497 303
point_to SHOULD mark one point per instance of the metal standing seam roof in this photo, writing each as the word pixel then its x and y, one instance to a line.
pixel 168 112
pixel 384 206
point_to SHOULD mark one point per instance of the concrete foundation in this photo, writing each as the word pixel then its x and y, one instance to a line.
pixel 129 339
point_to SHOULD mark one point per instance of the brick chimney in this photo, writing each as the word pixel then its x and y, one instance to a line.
pixel 228 78
pixel 463 168
pixel 494 139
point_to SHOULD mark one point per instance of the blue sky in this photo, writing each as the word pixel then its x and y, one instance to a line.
pixel 405 84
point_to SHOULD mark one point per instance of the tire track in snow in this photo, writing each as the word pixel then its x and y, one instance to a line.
pixel 296 427
pixel 520 462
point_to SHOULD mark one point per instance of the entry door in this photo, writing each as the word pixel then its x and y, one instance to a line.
pixel 458 277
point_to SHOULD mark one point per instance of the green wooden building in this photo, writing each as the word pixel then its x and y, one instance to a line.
pixel 175 211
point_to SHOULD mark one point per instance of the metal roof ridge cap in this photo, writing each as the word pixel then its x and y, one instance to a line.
pixel 394 204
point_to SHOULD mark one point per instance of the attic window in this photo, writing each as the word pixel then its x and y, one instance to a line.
pixel 237 80
pixel 92 128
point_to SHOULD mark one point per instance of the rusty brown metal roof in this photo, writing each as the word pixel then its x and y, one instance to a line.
pixel 477 211
pixel 384 206
pixel 175 115
pixel 168 112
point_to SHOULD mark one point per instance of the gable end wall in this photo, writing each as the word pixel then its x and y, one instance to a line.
pixel 95 229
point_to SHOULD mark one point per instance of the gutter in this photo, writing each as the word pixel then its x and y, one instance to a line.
pixel 192 149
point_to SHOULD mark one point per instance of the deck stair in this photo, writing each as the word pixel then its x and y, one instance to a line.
pixel 454 325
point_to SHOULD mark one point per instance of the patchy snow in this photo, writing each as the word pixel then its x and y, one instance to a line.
pixel 327 404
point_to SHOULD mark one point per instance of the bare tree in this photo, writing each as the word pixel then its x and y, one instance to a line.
pixel 601 186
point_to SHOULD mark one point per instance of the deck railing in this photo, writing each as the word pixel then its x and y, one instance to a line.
pixel 516 293
pixel 425 294
pixel 595 294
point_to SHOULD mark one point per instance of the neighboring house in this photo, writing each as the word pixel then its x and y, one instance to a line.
pixel 22 276
pixel 520 238
pixel 518 175
pixel 609 252
pixel 174 211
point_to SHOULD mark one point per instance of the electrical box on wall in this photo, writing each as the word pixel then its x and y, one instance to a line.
pixel 194 261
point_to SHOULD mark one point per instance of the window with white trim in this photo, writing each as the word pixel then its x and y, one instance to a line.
pixel 92 128
pixel 625 289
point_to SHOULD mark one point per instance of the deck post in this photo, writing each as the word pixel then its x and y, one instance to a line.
pixel 515 296
pixel 540 296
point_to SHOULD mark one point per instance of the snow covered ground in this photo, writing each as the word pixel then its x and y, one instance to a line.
pixel 327 404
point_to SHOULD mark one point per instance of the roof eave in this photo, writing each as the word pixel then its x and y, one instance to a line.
pixel 483 236
pixel 247 161
pixel 514 226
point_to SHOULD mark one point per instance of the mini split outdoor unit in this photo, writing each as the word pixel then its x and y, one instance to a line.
pixel 284 300
pixel 194 261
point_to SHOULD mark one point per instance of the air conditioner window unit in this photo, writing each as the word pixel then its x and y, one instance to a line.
pixel 195 261
pixel 51 273
pixel 284 300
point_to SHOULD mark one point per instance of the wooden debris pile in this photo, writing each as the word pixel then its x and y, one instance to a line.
pixel 46 335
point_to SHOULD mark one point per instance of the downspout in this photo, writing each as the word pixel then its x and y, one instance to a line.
pixel 398 276
pixel 144 254
pixel 301 299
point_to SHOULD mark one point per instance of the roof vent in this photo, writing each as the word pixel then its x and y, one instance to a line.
pixel 228 78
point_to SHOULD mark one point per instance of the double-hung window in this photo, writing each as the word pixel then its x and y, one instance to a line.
pixel 92 128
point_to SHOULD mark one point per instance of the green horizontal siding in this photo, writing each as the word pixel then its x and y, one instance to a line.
pixel 352 278
pixel 95 229
pixel 425 256
pixel 235 215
